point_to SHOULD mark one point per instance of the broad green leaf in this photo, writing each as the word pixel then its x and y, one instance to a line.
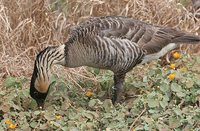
pixel 56 124
pixel 15 106
pixel 153 111
pixel 93 103
pixel 33 104
pixel 148 120
pixel 33 124
pixel 139 84
pixel 25 127
pixel 10 82
pixel 174 122
pixel 101 94
pixel 49 115
pixel 176 88
pixel 66 104
pixel 152 94
pixel 155 116
pixel 164 87
pixel 36 112
pixel 107 105
pixel 153 103
pixel 198 92
pixel 52 88
pixel 165 98
pixel 198 82
pixel 178 111
pixel 87 115
pixel 180 94
pixel 163 104
pixel 96 71
pixel 145 79
pixel 162 126
pixel 189 83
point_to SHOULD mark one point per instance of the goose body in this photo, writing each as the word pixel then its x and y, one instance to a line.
pixel 113 42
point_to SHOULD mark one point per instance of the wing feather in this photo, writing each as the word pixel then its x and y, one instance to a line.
pixel 151 38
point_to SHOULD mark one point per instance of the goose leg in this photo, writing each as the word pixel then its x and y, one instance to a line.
pixel 118 88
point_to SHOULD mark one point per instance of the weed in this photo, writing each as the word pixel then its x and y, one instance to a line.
pixel 78 98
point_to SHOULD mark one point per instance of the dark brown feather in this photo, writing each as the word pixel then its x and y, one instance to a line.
pixel 149 37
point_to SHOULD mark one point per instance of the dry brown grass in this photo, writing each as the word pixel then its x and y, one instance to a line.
pixel 27 26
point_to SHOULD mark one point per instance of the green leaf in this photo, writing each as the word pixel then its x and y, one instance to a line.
pixel 52 87
pixel 163 104
pixel 189 83
pixel 33 124
pixel 153 111
pixel 164 87
pixel 152 94
pixel 176 88
pixel 198 92
pixel 180 94
pixel 198 82
pixel 36 112
pixel 96 71
pixel 178 111
pixel 101 94
pixel 66 104
pixel 174 122
pixel 25 127
pixel 63 87
pixel 107 105
pixel 33 104
pixel 49 116
pixel 145 79
pixel 153 103
pixel 166 98
pixel 93 103
pixel 87 115
pixel 10 82
pixel 138 84
pixel 56 124
pixel 148 120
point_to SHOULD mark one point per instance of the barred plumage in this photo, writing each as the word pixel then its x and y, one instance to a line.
pixel 112 42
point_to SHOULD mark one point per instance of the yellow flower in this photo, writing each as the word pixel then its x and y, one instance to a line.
pixel 172 66
pixel 171 76
pixel 58 116
pixel 12 126
pixel 8 122
pixel 176 55
pixel 89 94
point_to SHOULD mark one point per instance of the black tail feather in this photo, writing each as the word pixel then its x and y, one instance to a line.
pixel 187 38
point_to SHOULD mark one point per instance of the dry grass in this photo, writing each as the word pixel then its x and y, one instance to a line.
pixel 27 26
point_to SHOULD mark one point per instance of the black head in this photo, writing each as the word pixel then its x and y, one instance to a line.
pixel 34 93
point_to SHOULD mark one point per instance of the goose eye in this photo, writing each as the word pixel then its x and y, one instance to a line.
pixel 35 93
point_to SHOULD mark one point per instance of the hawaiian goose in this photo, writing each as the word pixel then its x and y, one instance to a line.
pixel 112 42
